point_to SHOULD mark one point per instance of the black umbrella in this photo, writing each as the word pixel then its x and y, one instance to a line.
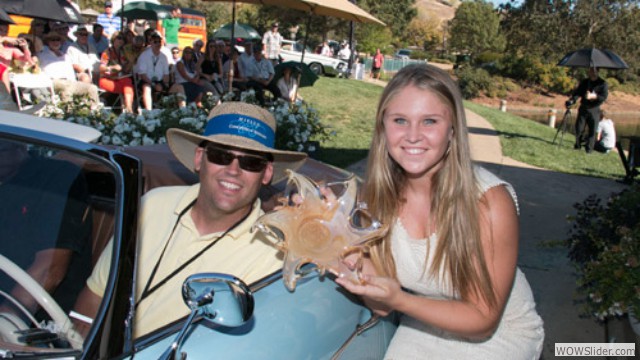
pixel 57 10
pixel 144 10
pixel 307 76
pixel 5 19
pixel 593 58
pixel 241 31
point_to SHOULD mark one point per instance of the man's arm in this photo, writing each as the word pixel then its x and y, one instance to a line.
pixel 48 269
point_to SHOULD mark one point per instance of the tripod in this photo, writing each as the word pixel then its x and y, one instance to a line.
pixel 562 128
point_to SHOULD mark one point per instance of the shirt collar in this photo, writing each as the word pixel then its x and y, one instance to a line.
pixel 245 227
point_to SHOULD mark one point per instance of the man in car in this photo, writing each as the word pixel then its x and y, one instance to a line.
pixel 45 225
pixel 205 227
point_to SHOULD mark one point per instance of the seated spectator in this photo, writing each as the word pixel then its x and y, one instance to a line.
pixel 6 102
pixel 99 40
pixel 175 54
pixel 232 70
pixel 188 75
pixel 36 32
pixel 57 65
pixel 128 36
pixel 211 66
pixel 83 56
pixel 63 29
pixel 288 85
pixel 260 75
pixel 245 60
pixel 605 134
pixel 197 49
pixel 153 71
pixel 113 78
pixel 132 53
pixel 12 48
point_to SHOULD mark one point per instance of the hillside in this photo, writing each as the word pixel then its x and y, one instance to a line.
pixel 442 9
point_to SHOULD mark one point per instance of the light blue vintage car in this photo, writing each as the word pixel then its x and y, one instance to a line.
pixel 52 185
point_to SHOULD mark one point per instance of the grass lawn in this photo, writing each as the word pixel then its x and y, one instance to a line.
pixel 348 107
pixel 532 143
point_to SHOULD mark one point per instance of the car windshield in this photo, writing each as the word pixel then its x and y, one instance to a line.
pixel 404 52
pixel 56 216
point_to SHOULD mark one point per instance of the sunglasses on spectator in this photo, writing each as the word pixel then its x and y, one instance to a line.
pixel 119 38
pixel 176 52
pixel 218 156
pixel 83 34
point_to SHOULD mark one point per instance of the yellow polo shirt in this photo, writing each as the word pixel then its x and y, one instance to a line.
pixel 242 253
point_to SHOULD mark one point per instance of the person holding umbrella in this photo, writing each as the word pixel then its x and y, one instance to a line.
pixel 592 91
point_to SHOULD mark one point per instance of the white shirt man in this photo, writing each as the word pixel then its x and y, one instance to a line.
pixel 83 55
pixel 271 43
pixel 153 69
pixel 344 52
pixel 57 65
pixel 606 135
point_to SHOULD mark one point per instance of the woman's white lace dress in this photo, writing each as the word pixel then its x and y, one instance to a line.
pixel 519 335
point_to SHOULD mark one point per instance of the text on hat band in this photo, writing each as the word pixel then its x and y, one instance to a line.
pixel 241 125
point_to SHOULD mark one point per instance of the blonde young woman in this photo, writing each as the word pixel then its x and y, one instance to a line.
pixel 448 263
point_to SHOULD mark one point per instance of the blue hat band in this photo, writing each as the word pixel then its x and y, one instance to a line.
pixel 241 125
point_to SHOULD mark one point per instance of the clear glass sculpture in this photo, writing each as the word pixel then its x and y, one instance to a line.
pixel 313 228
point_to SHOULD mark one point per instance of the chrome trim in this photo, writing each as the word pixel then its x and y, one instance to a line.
pixel 358 331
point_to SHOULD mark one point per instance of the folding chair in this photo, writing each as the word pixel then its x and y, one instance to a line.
pixel 30 81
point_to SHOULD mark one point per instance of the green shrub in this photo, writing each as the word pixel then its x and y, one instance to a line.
pixel 604 247
pixel 419 55
pixel 613 84
pixel 473 81
pixel 487 57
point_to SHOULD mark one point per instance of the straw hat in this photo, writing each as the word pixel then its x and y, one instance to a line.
pixel 239 125
pixel 52 35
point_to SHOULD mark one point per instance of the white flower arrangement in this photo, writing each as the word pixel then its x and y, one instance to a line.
pixel 298 123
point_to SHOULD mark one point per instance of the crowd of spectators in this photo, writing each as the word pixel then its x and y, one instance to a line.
pixel 108 64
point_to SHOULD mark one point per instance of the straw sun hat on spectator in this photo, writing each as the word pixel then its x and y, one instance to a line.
pixel 241 126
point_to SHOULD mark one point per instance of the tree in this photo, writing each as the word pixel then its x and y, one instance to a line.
pixel 396 14
pixel 475 28
pixel 425 34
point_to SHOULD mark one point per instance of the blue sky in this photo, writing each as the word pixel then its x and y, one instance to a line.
pixel 498 2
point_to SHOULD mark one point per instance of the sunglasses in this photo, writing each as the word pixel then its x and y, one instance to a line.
pixel 222 157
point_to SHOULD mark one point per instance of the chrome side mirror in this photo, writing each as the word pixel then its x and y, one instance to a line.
pixel 222 299
pixel 219 298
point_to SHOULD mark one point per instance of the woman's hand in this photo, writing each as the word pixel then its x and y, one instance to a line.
pixel 378 293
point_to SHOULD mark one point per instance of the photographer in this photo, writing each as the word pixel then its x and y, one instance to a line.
pixel 12 49
pixel 592 91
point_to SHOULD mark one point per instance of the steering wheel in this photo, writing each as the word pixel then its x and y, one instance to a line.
pixel 44 300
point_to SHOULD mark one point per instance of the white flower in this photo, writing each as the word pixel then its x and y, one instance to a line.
pixel 147 140
pixel 136 134
pixel 150 127
pixel 106 139
pixel 134 142
pixel 162 140
pixel 116 140
pixel 118 129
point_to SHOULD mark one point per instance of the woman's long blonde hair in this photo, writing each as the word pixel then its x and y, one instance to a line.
pixel 454 207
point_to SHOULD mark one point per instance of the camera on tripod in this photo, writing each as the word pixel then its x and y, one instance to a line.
pixel 569 103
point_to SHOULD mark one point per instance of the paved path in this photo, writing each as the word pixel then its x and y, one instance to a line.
pixel 545 198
